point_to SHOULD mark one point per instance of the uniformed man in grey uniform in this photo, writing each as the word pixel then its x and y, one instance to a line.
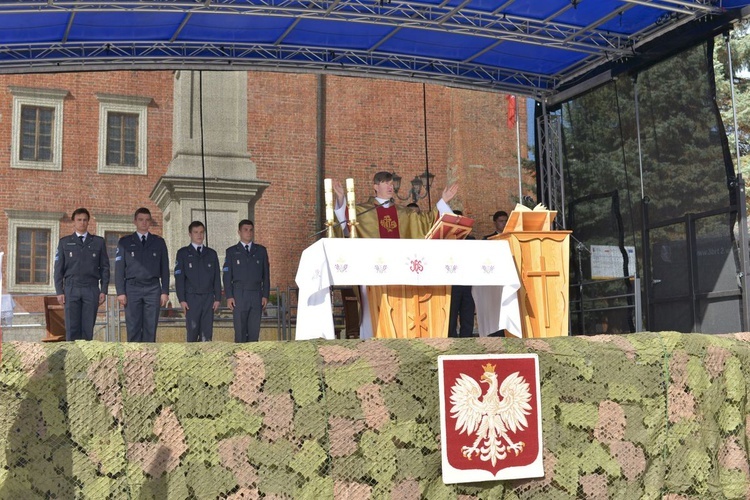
pixel 246 283
pixel 81 277
pixel 198 283
pixel 142 278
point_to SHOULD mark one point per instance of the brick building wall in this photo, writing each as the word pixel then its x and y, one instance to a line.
pixel 367 122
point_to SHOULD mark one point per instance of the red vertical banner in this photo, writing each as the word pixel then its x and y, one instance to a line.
pixel 511 101
pixel 490 417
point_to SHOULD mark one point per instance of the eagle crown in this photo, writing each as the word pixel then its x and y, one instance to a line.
pixel 489 368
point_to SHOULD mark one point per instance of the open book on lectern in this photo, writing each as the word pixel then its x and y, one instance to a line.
pixel 450 227
pixel 523 218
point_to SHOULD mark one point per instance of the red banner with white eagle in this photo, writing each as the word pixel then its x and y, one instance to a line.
pixel 490 412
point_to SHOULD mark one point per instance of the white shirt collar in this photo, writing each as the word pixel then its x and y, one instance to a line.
pixel 384 202
pixel 141 235
pixel 85 235
pixel 197 246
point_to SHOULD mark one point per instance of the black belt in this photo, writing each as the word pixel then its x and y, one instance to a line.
pixel 81 283
pixel 152 281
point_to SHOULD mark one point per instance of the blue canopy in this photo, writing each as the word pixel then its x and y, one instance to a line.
pixel 531 47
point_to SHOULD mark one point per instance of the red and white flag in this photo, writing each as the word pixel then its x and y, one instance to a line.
pixel 511 101
pixel 490 417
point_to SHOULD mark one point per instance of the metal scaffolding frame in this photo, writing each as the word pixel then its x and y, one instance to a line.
pixel 186 34
pixel 551 180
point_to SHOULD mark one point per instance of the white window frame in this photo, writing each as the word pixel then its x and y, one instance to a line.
pixel 48 98
pixel 120 224
pixel 110 103
pixel 32 220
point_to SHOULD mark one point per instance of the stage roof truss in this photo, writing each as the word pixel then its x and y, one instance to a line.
pixel 531 47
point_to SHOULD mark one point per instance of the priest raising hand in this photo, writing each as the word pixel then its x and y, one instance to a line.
pixel 380 217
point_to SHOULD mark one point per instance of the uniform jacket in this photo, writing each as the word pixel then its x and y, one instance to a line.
pixel 247 272
pixel 83 264
pixel 197 273
pixel 143 264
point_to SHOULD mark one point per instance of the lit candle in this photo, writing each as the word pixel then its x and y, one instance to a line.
pixel 350 200
pixel 328 188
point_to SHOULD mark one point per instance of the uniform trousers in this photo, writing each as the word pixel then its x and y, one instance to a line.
pixel 142 311
pixel 246 316
pixel 81 306
pixel 462 311
pixel 199 317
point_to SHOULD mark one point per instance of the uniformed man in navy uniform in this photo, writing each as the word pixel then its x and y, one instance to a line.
pixel 142 278
pixel 198 283
pixel 81 277
pixel 246 283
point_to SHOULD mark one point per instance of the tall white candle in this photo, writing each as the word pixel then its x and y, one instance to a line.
pixel 350 199
pixel 328 188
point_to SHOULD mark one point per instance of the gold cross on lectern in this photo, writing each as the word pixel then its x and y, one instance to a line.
pixel 544 274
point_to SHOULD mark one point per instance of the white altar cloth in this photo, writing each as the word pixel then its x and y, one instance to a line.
pixel 487 265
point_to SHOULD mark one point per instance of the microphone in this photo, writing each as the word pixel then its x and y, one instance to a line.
pixel 343 223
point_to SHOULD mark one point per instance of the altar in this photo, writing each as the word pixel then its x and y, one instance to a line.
pixel 485 265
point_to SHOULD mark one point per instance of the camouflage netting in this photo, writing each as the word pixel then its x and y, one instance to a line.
pixel 637 416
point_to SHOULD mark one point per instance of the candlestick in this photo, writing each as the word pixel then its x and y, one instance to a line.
pixel 352 205
pixel 328 191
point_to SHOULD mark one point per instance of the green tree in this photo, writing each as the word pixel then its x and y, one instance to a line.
pixel 740 47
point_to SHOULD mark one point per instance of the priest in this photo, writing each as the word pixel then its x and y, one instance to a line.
pixel 380 217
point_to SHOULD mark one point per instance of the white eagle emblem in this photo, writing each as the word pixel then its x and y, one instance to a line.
pixel 492 416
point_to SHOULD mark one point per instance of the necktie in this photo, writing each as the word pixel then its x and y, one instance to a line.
pixel 199 250
pixel 247 248
pixel 81 238
pixel 143 240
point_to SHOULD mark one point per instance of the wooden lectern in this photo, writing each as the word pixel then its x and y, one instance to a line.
pixel 542 261
pixel 410 311
pixel 54 317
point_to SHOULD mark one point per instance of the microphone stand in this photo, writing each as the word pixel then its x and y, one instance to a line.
pixel 345 222
pixel 580 247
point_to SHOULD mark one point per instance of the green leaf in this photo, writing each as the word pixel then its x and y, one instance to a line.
pixel 200 437
pixel 208 481
pixel 598 455
pixel 567 470
pixel 566 353
pixel 698 380
pixel 734 379
pixel 730 418
pixel 110 449
pixel 579 415
pixel 312 422
pixel 316 489
pixel 237 418
pixel 263 454
pixel 309 459
pixel 205 400
pixel 195 363
pixel 380 453
pixel 733 483
pixel 349 377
